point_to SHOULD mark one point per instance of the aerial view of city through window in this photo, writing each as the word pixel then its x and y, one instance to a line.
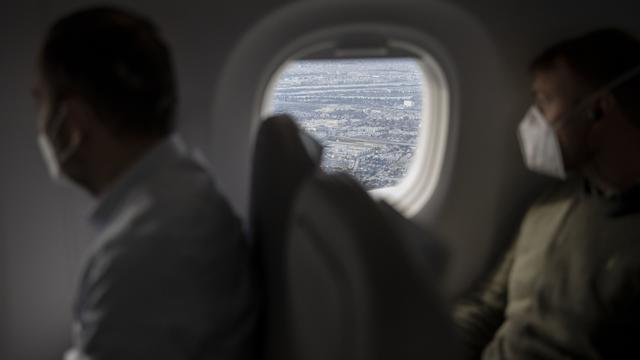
pixel 366 113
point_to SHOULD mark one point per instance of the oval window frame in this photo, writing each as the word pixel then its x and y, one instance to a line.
pixel 413 192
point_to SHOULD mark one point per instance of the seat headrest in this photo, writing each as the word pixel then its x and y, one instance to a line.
pixel 283 157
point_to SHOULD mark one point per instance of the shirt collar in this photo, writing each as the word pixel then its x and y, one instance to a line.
pixel 109 202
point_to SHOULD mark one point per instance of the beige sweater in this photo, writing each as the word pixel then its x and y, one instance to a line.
pixel 567 287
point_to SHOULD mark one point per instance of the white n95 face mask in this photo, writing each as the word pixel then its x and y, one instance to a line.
pixel 540 146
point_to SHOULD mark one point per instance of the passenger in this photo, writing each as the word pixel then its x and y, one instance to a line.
pixel 569 286
pixel 167 276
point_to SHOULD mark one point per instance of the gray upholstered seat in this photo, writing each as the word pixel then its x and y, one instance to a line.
pixel 283 158
pixel 344 277
pixel 359 285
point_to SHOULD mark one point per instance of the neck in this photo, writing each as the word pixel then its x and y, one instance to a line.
pixel 610 181
pixel 116 160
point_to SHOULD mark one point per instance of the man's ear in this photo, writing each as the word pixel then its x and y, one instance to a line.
pixel 608 105
pixel 78 114
pixel 606 113
pixel 597 128
pixel 79 119
pixel 597 110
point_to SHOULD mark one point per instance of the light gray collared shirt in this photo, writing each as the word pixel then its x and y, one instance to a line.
pixel 168 276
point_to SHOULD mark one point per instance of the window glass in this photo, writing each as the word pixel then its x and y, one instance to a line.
pixel 366 112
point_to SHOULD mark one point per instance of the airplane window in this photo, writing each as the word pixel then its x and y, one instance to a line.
pixel 366 112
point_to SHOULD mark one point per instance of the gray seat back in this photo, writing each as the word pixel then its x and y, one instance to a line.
pixel 359 285
pixel 283 158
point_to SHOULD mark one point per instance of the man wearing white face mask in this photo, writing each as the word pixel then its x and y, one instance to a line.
pixel 568 286
pixel 168 276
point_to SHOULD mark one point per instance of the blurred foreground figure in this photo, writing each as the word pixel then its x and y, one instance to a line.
pixel 168 275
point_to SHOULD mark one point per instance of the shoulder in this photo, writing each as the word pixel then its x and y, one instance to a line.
pixel 176 206
pixel 184 187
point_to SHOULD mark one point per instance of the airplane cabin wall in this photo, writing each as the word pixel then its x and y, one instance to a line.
pixel 463 208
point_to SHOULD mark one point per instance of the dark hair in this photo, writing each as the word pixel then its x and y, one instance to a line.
pixel 117 62
pixel 600 57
